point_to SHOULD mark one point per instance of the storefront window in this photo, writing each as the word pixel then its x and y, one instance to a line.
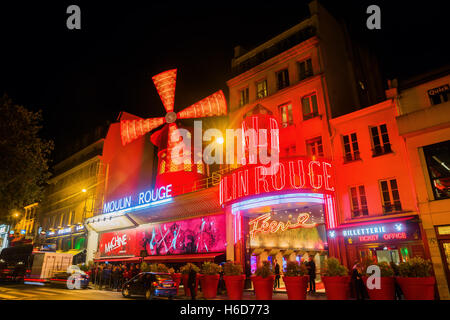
pixel 437 158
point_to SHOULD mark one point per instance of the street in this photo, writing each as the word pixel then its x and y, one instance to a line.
pixel 10 291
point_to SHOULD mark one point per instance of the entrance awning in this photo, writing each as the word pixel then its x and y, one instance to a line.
pixel 118 259
pixel 184 257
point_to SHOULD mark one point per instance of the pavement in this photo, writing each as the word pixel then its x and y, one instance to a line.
pixel 14 291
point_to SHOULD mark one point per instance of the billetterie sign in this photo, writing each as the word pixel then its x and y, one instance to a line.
pixel 297 173
pixel 144 198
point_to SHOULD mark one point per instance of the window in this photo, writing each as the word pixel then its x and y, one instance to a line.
pixel 439 94
pixel 358 201
pixel 286 115
pixel 309 107
pixel 380 140
pixel 437 157
pixel 261 89
pixel 290 151
pixel 390 196
pixel 282 79
pixel 305 69
pixel 351 149
pixel 243 97
pixel 314 147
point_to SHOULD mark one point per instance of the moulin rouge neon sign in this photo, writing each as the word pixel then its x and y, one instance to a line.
pixel 262 224
pixel 144 199
pixel 289 174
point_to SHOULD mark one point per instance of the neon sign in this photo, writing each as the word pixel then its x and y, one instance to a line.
pixel 289 174
pixel 116 242
pixel 143 199
pixel 262 224
pixel 379 232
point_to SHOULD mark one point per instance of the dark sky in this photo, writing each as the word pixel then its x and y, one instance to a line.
pixel 82 78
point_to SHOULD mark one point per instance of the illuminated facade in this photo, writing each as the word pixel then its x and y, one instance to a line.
pixel 298 78
pixel 424 124
pixel 74 193
pixel 378 213
pixel 25 229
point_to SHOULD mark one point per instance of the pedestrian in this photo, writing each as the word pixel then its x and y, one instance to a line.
pixel 137 269
pixel 311 265
pixel 100 276
pixel 398 290
pixel 277 275
pixel 115 277
pixel 192 281
pixel 358 281
pixel 107 276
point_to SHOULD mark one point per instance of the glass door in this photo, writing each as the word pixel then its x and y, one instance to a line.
pixel 445 251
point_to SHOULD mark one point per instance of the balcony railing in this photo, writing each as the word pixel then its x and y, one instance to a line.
pixel 392 208
pixel 352 157
pixel 380 150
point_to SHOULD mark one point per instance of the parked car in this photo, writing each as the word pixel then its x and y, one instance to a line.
pixel 150 285
pixel 61 279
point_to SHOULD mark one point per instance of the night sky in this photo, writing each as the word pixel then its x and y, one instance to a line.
pixel 83 78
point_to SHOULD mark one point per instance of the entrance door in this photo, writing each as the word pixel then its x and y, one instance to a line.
pixel 389 255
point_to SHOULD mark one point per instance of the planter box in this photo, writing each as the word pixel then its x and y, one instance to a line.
pixel 235 286
pixel 296 287
pixel 337 288
pixel 187 291
pixel 176 277
pixel 263 287
pixel 417 288
pixel 209 285
pixel 386 291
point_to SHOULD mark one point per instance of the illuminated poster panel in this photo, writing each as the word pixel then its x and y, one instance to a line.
pixel 118 243
pixel 198 235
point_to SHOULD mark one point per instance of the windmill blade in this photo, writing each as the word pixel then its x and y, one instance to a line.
pixel 165 85
pixel 214 105
pixel 131 130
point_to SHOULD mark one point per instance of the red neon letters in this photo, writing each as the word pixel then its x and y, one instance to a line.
pixel 292 174
pixel 262 224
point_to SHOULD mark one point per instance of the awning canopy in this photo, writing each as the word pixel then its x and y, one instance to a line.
pixel 184 257
pixel 119 259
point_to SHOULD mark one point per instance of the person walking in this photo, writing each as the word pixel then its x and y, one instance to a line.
pixel 115 277
pixel 192 281
pixel 358 281
pixel 398 290
pixel 277 275
pixel 311 265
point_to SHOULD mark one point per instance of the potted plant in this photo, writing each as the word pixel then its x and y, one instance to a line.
pixel 209 280
pixel 263 282
pixel 185 276
pixel 158 267
pixel 296 280
pixel 336 280
pixel 416 280
pixel 145 267
pixel 234 280
pixel 387 283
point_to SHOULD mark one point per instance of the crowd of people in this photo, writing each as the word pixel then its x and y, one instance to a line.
pixel 109 276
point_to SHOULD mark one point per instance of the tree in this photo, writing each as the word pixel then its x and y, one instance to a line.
pixel 24 157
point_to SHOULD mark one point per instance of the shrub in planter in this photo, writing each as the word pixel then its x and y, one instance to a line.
pixel 387 283
pixel 185 276
pixel 234 280
pixel 145 267
pixel 176 277
pixel 158 267
pixel 296 280
pixel 416 280
pixel 263 282
pixel 336 280
pixel 210 279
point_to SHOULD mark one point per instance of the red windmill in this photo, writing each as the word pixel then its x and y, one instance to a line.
pixel 168 171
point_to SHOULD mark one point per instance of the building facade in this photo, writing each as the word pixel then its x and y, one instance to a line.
pixel 74 193
pixel 25 229
pixel 424 124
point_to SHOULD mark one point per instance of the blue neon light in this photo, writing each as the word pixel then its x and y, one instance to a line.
pixel 278 199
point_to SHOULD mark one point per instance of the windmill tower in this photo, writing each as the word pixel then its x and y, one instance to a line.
pixel 166 138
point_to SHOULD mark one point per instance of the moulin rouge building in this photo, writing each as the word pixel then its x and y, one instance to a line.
pixel 341 188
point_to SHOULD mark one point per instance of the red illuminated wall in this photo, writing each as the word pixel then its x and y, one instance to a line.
pixel 130 167
pixel 118 243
